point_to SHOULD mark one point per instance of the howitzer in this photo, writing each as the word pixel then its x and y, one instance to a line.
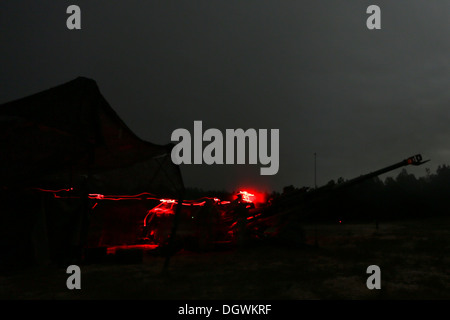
pixel 211 221
pixel 296 204
pixel 414 160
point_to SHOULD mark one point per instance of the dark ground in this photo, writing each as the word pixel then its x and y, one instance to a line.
pixel 413 257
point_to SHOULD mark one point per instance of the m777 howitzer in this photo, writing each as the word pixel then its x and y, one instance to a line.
pixel 294 205
pixel 209 220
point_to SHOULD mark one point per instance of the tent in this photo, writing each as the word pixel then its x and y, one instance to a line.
pixel 54 138
pixel 69 138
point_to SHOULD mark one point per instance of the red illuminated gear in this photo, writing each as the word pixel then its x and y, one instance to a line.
pixel 98 196
pixel 164 207
pixel 246 196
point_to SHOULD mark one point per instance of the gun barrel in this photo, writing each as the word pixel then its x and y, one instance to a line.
pixel 415 160
pixel 300 195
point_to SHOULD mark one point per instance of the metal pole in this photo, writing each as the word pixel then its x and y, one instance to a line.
pixel 315 171
pixel 316 242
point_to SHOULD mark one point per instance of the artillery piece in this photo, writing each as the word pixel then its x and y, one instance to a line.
pixel 220 220
pixel 286 212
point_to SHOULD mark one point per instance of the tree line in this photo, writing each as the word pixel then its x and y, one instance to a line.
pixel 399 197
pixel 403 196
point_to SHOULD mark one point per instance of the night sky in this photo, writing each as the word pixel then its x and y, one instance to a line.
pixel 361 99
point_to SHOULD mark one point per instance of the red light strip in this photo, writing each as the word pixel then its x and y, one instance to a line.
pixel 54 191
pixel 246 196
pixel 100 196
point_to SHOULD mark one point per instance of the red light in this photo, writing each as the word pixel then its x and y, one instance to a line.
pixel 54 191
pixel 165 206
pixel 252 196
pixel 113 249
pixel 167 200
pixel 246 196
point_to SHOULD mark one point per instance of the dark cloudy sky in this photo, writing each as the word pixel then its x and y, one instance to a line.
pixel 360 99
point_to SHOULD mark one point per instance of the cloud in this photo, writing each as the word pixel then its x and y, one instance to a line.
pixel 361 99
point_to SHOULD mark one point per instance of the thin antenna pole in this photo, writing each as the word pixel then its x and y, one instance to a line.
pixel 316 240
pixel 315 171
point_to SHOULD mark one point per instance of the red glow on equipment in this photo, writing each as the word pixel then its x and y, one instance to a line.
pixel 253 196
pixel 167 200
pixel 113 249
pixel 246 196
pixel 66 194
pixel 166 206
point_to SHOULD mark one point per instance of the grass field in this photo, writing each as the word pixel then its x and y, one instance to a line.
pixel 413 257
